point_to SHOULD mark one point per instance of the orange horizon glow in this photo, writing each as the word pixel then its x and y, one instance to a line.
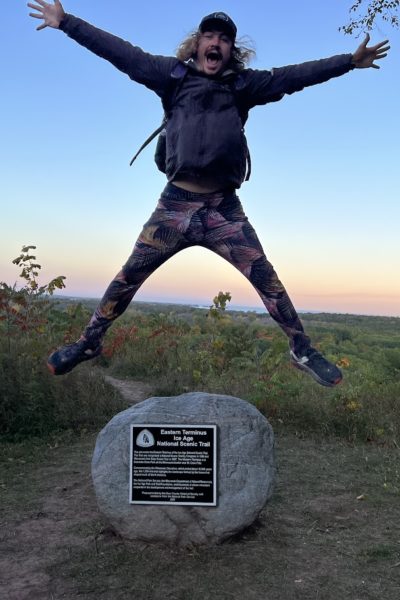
pixel 196 276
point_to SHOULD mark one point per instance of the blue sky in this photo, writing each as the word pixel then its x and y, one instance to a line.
pixel 324 189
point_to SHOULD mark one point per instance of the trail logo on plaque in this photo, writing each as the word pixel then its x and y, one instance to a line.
pixel 145 439
pixel 173 464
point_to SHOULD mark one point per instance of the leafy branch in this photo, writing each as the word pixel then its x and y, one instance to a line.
pixel 363 15
pixel 26 309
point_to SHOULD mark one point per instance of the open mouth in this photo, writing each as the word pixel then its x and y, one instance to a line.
pixel 213 57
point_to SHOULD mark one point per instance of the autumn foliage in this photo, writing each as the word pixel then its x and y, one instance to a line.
pixel 180 349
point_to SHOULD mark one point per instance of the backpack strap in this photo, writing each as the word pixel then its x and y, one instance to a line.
pixel 177 76
pixel 149 139
pixel 236 86
pixel 248 160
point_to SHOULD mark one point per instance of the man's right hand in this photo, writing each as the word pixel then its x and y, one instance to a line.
pixel 52 14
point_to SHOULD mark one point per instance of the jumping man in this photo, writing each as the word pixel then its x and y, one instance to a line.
pixel 207 93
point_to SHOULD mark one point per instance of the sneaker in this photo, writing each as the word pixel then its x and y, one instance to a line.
pixel 313 363
pixel 66 358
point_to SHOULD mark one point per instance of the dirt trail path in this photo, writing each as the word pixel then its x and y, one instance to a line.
pixel 331 531
pixel 59 505
pixel 132 391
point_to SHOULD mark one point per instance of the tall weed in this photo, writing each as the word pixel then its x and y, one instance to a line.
pixel 33 402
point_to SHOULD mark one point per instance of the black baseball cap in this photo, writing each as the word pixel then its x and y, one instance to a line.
pixel 219 21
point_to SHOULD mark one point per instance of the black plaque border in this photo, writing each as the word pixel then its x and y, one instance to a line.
pixel 170 426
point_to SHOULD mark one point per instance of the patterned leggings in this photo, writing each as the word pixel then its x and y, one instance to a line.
pixel 215 221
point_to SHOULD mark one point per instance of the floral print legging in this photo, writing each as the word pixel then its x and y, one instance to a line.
pixel 215 221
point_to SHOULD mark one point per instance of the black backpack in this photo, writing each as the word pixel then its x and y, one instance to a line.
pixel 178 74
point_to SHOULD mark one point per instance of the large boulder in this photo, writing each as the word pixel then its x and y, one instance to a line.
pixel 245 470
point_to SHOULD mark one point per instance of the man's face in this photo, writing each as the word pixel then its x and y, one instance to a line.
pixel 213 52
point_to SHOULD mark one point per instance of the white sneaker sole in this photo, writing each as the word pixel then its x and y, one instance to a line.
pixel 302 366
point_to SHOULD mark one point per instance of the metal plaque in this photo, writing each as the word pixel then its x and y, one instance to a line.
pixel 173 464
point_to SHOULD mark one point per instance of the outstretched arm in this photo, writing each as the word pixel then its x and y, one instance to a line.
pixel 52 14
pixel 269 86
pixel 365 57
pixel 148 69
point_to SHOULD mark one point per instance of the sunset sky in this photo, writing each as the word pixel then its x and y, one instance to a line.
pixel 324 191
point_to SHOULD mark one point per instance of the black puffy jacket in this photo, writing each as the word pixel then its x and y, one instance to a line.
pixel 204 128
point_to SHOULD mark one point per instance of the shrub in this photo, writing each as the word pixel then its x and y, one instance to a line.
pixel 241 355
pixel 33 402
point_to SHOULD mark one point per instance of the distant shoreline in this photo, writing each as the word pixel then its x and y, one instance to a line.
pixel 231 307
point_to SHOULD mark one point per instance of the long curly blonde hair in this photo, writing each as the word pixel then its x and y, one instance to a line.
pixel 240 57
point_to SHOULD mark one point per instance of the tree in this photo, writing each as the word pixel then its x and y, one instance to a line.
pixel 364 13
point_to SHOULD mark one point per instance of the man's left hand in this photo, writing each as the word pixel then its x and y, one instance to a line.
pixel 365 57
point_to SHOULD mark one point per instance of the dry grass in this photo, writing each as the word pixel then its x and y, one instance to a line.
pixel 331 531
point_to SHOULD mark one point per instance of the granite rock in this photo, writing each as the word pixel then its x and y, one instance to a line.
pixel 245 470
